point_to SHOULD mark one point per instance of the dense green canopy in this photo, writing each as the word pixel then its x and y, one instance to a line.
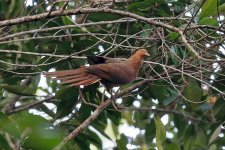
pixel 176 103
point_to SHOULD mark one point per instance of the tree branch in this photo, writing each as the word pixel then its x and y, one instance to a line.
pixel 97 111
pixel 106 10
pixel 38 54
pixel 82 11
pixel 122 20
pixel 28 106
pixel 11 105
pixel 157 110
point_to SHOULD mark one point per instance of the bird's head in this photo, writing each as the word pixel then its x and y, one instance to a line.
pixel 142 52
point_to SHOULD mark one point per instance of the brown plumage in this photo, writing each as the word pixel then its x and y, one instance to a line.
pixel 110 72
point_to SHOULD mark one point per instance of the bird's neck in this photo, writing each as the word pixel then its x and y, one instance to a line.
pixel 136 62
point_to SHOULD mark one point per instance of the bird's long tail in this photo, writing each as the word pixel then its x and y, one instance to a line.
pixel 75 77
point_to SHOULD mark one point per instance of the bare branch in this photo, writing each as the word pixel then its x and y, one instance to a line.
pixel 106 10
pixel 28 106
pixel 38 54
pixel 96 113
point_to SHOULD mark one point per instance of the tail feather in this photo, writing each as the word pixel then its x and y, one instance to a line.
pixel 75 77
pixel 86 82
pixel 71 77
pixel 65 73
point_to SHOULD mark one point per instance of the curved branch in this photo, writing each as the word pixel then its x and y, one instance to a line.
pixel 123 20
pixel 97 111
pixel 37 54
pixel 106 10
pixel 28 106
pixel 82 11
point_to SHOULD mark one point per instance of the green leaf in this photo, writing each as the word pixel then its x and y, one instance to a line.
pixel 20 90
pixel 103 16
pixel 128 116
pixel 163 9
pixel 175 52
pixel 222 9
pixel 4 101
pixel 213 147
pixel 172 146
pixel 3 143
pixel 67 20
pixel 139 7
pixel 82 142
pixel 150 131
pixel 15 8
pixel 215 134
pixel 122 142
pixel 100 127
pixel 48 111
pixel 41 134
pixel 192 90
pixel 173 36
pixel 43 138
pixel 8 125
pixel 173 95
pixel 3 6
pixel 94 138
pixel 189 143
pixel 84 112
pixel 148 31
pixel 68 97
pixel 208 8
pixel 209 21
pixel 163 93
pixel 114 116
pixel 25 120
pixel 201 138
pixel 160 133
pixel 218 109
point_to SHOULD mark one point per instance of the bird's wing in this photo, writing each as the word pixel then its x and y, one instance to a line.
pixel 102 59
pixel 119 73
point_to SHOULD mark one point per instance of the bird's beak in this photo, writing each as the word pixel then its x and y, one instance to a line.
pixel 147 54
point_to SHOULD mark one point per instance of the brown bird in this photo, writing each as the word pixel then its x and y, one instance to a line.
pixel 111 72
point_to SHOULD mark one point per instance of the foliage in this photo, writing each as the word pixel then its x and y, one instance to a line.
pixel 186 74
